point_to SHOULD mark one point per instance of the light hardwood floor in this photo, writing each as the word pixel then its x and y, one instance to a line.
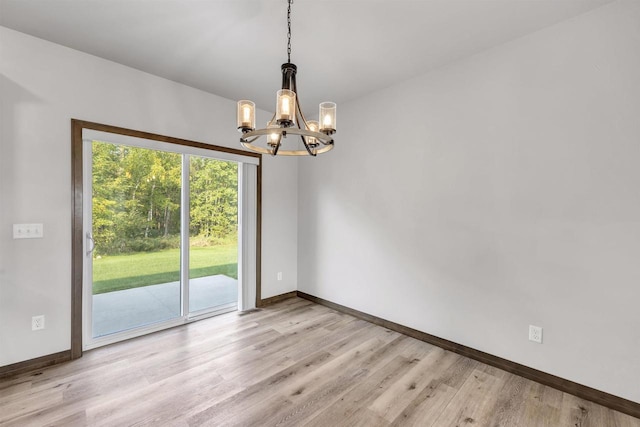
pixel 291 364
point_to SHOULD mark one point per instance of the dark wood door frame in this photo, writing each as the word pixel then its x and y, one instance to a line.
pixel 77 257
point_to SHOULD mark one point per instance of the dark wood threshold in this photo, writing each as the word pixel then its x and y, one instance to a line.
pixel 34 364
pixel 600 397
pixel 277 298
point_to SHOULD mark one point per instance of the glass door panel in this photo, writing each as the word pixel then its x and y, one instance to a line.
pixel 213 235
pixel 136 198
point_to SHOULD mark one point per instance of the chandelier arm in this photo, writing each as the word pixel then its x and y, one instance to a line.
pixel 306 144
pixel 328 142
pixel 275 149
pixel 311 153
pixel 304 119
pixel 249 141
pixel 304 141
pixel 302 137
pixel 299 116
pixel 306 126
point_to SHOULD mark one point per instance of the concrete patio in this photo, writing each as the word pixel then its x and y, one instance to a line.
pixel 121 310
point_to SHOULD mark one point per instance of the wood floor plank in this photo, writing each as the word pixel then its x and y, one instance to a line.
pixel 541 406
pixel 159 403
pixel 428 405
pixel 15 385
pixel 396 398
pixel 291 386
pixel 509 406
pixel 352 407
pixel 325 389
pixel 77 419
pixel 240 403
pixel 12 413
pixel 581 413
pixel 367 418
pixel 79 393
pixel 292 363
pixel 473 402
pixel 358 398
pixel 174 362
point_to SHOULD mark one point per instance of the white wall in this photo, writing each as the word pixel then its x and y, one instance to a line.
pixel 43 86
pixel 494 193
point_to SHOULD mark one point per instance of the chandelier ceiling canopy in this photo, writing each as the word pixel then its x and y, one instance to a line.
pixel 288 119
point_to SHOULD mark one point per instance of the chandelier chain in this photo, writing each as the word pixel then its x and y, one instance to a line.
pixel 289 31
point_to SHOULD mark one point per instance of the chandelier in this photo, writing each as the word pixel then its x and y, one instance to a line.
pixel 288 118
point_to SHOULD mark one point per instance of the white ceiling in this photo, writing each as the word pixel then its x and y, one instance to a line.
pixel 234 48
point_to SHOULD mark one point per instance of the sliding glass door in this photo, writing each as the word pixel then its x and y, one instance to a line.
pixel 213 235
pixel 135 237
pixel 162 236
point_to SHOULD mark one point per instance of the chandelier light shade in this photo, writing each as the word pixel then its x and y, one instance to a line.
pixel 246 114
pixel 285 108
pixel 273 137
pixel 328 117
pixel 288 119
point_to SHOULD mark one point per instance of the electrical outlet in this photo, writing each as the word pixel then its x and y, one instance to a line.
pixel 535 334
pixel 37 322
pixel 280 275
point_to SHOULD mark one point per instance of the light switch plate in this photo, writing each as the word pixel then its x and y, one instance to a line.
pixel 28 231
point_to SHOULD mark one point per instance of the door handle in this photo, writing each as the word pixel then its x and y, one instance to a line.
pixel 90 242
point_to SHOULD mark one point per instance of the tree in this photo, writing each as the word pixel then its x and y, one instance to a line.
pixel 214 197
pixel 137 198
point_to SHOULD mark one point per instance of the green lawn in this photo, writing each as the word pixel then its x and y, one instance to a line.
pixel 114 273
